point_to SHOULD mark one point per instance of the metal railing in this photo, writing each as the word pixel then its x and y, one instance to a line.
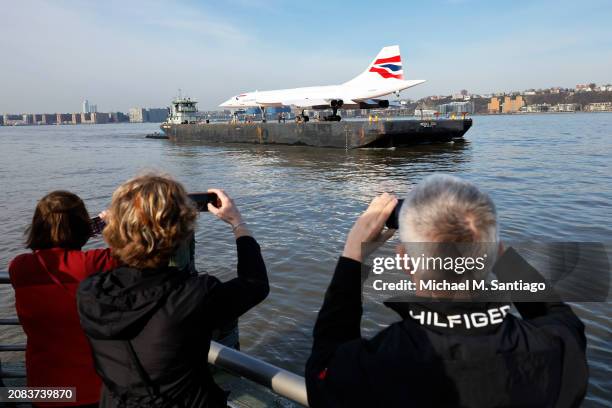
pixel 280 381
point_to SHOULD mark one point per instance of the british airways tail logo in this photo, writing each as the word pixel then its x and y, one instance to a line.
pixel 388 67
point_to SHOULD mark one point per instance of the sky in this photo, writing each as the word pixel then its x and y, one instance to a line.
pixel 122 54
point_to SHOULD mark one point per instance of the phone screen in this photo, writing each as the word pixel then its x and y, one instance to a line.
pixel 202 200
pixel 97 225
pixel 393 220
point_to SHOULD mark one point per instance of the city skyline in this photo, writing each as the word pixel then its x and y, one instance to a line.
pixel 139 54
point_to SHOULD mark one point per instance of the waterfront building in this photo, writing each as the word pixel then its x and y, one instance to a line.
pixel 456 107
pixel 28 119
pixel 494 106
pixel 599 107
pixel 118 117
pixel 85 117
pixel 565 107
pixel 155 115
pixel 76 118
pixel 2 120
pixel 9 119
pixel 97 118
pixel 512 105
pixel 536 108
pixel 63 118
pixel 48 119
pixel 137 115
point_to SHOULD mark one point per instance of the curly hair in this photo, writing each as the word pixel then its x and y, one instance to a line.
pixel 149 217
pixel 60 220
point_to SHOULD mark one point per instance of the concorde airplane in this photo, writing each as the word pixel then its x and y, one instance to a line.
pixel 384 76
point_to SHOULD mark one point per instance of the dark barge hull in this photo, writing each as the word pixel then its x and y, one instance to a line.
pixel 346 134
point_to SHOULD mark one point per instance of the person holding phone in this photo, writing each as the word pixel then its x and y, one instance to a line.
pixel 149 322
pixel 443 351
pixel 45 282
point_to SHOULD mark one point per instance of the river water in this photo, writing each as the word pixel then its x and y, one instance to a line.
pixel 550 177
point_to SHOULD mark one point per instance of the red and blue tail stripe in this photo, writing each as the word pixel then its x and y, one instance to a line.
pixel 388 67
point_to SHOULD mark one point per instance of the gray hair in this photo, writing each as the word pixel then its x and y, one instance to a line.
pixel 447 209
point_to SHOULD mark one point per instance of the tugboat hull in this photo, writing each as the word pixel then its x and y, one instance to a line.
pixel 347 134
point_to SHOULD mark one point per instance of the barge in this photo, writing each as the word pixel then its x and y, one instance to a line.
pixel 183 124
pixel 347 135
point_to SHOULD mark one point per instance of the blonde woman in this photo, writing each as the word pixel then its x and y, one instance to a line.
pixel 149 323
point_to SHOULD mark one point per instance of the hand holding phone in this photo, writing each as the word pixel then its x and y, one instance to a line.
pixel 97 225
pixel 226 210
pixel 393 220
pixel 202 200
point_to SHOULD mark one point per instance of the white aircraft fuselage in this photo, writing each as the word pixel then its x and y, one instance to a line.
pixel 383 76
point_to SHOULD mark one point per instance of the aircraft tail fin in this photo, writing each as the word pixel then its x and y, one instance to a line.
pixel 386 65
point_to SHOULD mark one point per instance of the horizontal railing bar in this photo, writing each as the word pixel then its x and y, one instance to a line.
pixel 282 382
pixel 9 321
pixel 12 347
pixel 4 373
pixel 4 277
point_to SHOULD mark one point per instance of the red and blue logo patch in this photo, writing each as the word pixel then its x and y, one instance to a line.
pixel 388 67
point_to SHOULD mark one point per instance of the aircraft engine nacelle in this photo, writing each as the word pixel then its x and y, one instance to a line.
pixel 336 103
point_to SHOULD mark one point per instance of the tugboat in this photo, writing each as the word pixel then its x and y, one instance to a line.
pixel 183 124
pixel 183 112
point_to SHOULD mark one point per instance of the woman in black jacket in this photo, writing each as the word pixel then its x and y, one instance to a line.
pixel 150 324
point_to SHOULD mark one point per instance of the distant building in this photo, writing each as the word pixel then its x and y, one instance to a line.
pixel 118 117
pixel 76 118
pixel 155 115
pixel 536 108
pixel 63 118
pixel 494 106
pixel 48 119
pixel 137 115
pixel 599 107
pixel 456 107
pixel 28 118
pixel 2 120
pixel 98 118
pixel 512 105
pixel 565 107
pixel 89 107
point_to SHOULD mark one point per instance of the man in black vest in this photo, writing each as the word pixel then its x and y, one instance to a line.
pixel 537 359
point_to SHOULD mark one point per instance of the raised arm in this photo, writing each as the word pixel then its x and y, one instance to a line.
pixel 233 298
pixel 339 319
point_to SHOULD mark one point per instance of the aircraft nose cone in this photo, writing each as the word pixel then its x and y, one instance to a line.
pixel 227 104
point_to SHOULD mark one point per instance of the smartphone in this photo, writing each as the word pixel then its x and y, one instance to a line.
pixel 202 200
pixel 97 225
pixel 393 220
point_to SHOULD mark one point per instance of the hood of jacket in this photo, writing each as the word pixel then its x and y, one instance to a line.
pixel 117 304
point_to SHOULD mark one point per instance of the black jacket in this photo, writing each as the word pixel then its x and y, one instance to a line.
pixel 158 323
pixel 536 361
